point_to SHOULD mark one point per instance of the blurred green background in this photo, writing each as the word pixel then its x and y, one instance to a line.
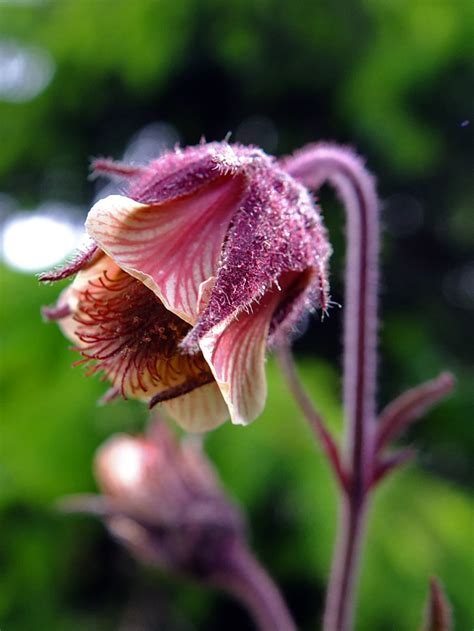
pixel 84 78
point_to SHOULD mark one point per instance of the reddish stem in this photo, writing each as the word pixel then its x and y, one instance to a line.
pixel 325 438
pixel 237 571
pixel 252 586
pixel 339 609
pixel 389 463
pixel 438 610
pixel 345 171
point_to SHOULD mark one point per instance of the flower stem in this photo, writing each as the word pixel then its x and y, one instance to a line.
pixel 345 567
pixel 330 448
pixel 252 586
pixel 355 186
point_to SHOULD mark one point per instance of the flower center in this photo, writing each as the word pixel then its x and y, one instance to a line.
pixel 127 333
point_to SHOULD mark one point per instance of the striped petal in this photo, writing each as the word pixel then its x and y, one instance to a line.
pixel 201 410
pixel 235 353
pixel 171 247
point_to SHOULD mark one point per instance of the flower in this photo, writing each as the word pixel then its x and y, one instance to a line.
pixel 162 500
pixel 214 254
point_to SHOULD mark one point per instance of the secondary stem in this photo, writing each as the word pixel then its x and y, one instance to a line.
pixel 252 586
pixel 354 185
pixel 330 449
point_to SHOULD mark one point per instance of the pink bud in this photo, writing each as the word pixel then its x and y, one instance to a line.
pixel 163 501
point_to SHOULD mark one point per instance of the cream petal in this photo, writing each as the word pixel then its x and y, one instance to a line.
pixel 67 324
pixel 201 410
pixel 171 247
pixel 157 378
pixel 235 352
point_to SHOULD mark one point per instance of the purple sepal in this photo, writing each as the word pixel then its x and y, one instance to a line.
pixel 82 258
pixel 277 229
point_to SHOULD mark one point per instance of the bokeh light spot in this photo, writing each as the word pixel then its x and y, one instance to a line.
pixel 35 242
pixel 25 71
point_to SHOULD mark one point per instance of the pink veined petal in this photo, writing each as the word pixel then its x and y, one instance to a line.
pixel 235 353
pixel 171 247
pixel 200 410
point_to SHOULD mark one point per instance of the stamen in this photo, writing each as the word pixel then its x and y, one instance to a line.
pixel 127 333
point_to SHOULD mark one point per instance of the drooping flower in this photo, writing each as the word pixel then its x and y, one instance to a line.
pixel 213 254
pixel 163 501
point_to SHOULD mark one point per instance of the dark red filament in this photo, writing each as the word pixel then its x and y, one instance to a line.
pixel 126 332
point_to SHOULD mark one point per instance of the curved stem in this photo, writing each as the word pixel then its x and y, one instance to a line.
pixel 345 171
pixel 253 587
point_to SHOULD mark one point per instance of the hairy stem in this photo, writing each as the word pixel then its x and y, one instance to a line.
pixel 345 568
pixel 331 451
pixel 251 585
pixel 345 171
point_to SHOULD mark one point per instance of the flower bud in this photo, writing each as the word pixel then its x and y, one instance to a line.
pixel 162 500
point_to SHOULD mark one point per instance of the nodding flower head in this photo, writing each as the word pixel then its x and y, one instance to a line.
pixel 164 502
pixel 212 254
